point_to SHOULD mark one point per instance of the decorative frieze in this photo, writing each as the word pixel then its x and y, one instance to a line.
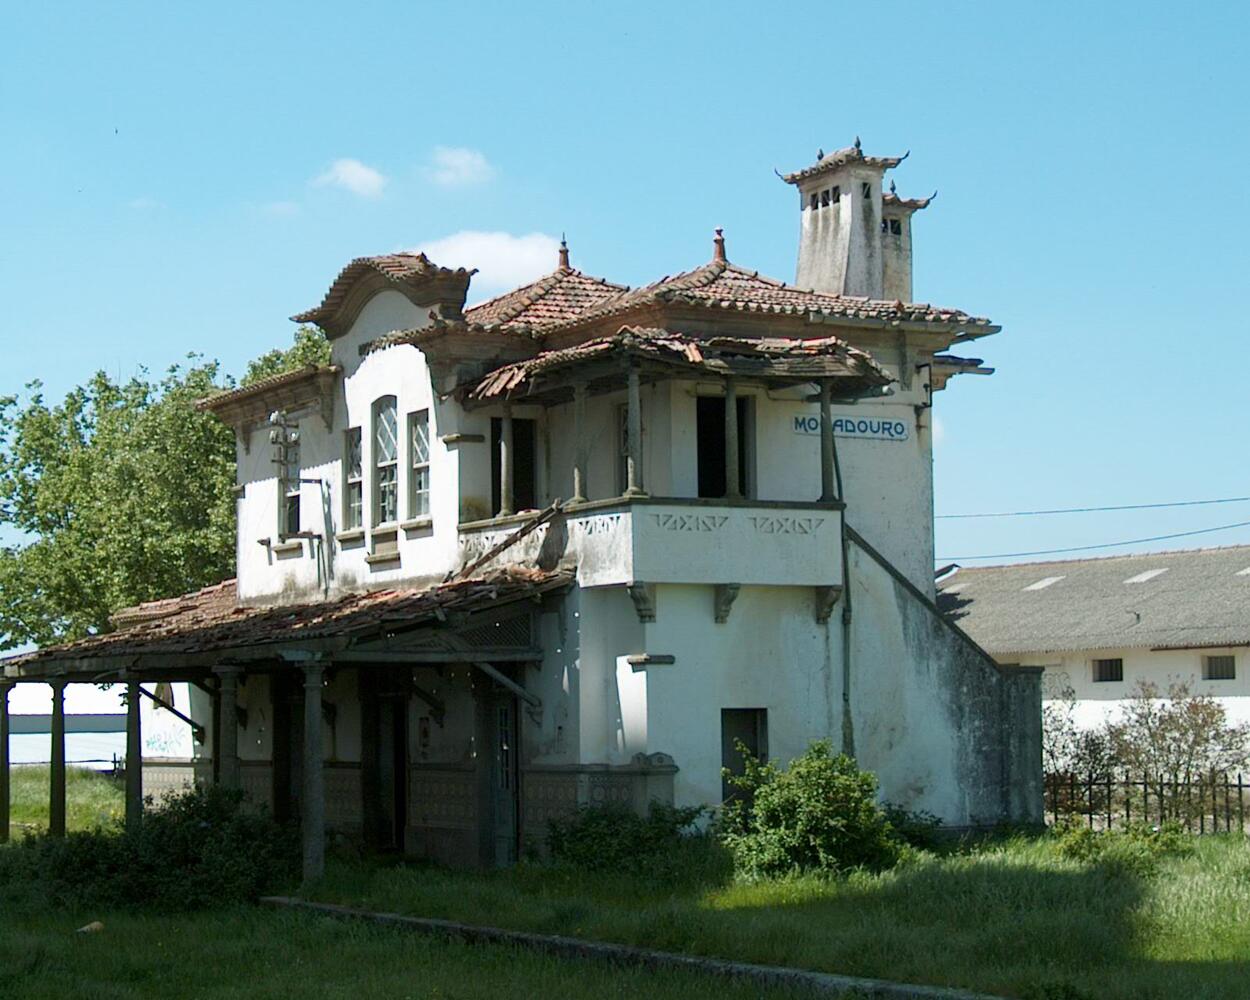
pixel 693 521
pixel 783 524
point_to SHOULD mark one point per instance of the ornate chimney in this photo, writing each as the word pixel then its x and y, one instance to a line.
pixel 853 240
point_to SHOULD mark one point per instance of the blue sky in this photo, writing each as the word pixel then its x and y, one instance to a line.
pixel 181 178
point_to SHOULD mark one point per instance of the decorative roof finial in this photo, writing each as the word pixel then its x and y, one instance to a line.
pixel 820 154
pixel 857 149
pixel 893 189
pixel 718 245
pixel 564 254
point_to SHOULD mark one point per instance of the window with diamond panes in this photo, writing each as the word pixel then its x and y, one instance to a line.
pixel 354 481
pixel 385 462
pixel 419 472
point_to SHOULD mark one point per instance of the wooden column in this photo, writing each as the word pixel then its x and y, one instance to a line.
pixel 505 463
pixel 5 688
pixel 314 804
pixel 826 445
pixel 56 799
pixel 733 460
pixel 633 422
pixel 227 749
pixel 579 444
pixel 134 758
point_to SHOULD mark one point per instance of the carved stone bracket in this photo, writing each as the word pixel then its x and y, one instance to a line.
pixel 643 596
pixel 724 597
pixel 826 599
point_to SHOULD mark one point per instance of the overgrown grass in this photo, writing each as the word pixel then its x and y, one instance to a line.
pixel 253 954
pixel 1014 917
pixel 92 799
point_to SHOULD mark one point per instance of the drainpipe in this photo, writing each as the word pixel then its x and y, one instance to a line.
pixel 848 722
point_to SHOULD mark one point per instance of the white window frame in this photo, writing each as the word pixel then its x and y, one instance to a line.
pixel 385 469
pixel 419 464
pixel 353 485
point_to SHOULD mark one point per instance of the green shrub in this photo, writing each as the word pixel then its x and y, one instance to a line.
pixel 1136 851
pixel 199 848
pixel 920 829
pixel 614 838
pixel 819 814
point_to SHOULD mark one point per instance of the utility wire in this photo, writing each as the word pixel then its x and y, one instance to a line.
pixel 1090 510
pixel 1104 545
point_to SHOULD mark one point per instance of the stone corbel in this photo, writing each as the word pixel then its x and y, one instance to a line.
pixel 724 596
pixel 643 596
pixel 826 599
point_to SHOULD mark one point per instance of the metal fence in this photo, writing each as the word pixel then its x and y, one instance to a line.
pixel 1208 803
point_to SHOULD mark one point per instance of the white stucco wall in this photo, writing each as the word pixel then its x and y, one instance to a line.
pixel 1100 700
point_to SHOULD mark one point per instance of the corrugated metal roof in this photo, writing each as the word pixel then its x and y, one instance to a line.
pixel 1186 599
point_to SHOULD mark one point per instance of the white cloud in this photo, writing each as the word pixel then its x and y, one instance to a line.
pixel 503 261
pixel 353 176
pixel 455 166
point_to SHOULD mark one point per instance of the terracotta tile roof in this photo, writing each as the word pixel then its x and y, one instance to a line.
pixel 559 297
pixel 771 359
pixel 829 162
pixel 212 619
pixel 310 377
pixel 397 268
pixel 724 286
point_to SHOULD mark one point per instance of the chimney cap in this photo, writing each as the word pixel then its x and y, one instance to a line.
pixel 563 263
pixel 847 155
pixel 718 246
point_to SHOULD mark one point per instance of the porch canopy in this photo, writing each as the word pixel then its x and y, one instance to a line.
pixel 636 354
pixel 209 639
pixel 603 365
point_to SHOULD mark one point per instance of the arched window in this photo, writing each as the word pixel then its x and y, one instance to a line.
pixel 385 462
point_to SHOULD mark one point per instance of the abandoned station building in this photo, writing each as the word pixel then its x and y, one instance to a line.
pixel 568 545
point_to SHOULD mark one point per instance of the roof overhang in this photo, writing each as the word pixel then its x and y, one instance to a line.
pixel 310 388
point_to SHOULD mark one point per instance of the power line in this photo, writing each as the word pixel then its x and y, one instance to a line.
pixel 1104 545
pixel 1091 510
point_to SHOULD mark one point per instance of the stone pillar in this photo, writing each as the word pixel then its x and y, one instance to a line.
pixel 314 805
pixel 505 463
pixel 827 492
pixel 633 457
pixel 5 688
pixel 579 444
pixel 227 748
pixel 134 758
pixel 56 800
pixel 733 460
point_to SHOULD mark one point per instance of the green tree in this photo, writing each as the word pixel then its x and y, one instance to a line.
pixel 310 348
pixel 121 493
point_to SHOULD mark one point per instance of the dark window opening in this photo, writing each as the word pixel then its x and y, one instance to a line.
pixel 866 189
pixel 824 198
pixel 1219 668
pixel 710 426
pixel 815 203
pixel 896 227
pixel 837 193
pixel 746 726
pixel 524 464
pixel 1108 670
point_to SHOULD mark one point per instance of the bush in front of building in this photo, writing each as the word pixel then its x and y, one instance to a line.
pixel 665 844
pixel 1136 851
pixel 818 814
pixel 198 848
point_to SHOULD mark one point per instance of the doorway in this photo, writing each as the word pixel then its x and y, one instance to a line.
pixel 748 726
pixel 524 464
pixel 504 775
pixel 710 428
pixel 393 771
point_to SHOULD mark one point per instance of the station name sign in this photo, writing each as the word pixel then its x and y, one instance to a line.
pixel 877 428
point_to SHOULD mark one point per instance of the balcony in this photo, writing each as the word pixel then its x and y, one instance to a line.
pixel 669 540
